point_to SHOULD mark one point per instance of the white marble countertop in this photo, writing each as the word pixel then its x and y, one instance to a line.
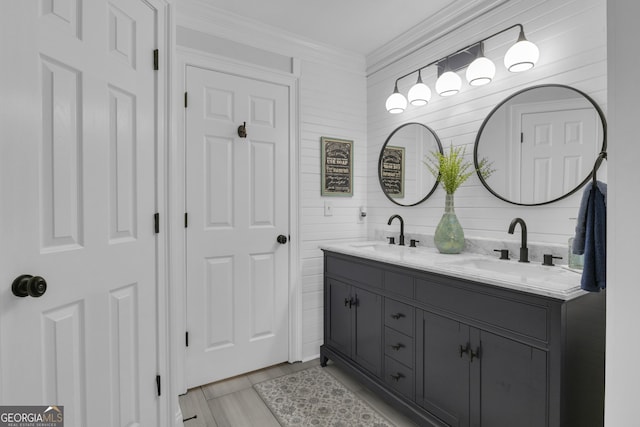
pixel 558 282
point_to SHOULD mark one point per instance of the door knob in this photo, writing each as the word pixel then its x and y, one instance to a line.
pixel 282 239
pixel 28 285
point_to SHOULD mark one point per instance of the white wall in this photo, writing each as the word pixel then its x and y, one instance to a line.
pixel 623 291
pixel 571 36
pixel 332 103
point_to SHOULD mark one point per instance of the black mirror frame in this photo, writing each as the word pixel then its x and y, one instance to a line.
pixel 479 134
pixel 435 185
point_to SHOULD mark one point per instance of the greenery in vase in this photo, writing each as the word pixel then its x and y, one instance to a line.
pixel 452 170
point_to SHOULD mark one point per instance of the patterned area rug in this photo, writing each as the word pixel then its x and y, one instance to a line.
pixel 313 397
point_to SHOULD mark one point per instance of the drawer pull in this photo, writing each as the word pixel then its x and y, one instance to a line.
pixel 397 377
pixel 397 316
pixel 397 347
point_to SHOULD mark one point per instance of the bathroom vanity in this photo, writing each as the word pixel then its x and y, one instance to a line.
pixel 466 340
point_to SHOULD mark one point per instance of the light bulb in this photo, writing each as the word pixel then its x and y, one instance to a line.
pixel 481 71
pixel 521 56
pixel 448 84
pixel 419 94
pixel 396 102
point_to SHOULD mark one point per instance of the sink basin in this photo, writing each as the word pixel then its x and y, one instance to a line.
pixel 506 267
pixel 530 273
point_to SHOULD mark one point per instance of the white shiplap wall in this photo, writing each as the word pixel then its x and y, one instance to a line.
pixel 332 103
pixel 571 36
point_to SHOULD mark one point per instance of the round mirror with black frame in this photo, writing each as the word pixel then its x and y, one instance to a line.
pixel 403 177
pixel 542 144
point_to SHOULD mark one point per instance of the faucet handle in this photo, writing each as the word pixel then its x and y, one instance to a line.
pixel 412 243
pixel 392 240
pixel 504 253
pixel 548 259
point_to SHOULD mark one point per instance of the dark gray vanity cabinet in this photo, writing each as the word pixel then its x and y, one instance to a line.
pixel 470 377
pixel 351 312
pixel 453 352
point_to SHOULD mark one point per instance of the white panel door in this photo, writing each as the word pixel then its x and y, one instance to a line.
pixel 237 204
pixel 554 148
pixel 77 185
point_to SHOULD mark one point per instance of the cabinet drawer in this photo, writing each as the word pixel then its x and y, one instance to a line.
pixel 400 284
pixel 510 314
pixel 398 346
pixel 355 271
pixel 399 377
pixel 399 316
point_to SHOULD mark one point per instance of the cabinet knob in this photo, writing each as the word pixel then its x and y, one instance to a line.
pixel 397 316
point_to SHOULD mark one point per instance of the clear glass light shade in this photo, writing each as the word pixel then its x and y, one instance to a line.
pixel 396 103
pixel 448 84
pixel 522 56
pixel 481 71
pixel 419 94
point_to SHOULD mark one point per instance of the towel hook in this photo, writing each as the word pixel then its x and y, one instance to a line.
pixel 242 130
pixel 602 156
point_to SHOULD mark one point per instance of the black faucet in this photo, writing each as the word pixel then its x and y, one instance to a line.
pixel 401 243
pixel 524 252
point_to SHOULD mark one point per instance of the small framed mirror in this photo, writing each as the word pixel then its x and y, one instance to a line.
pixel 542 143
pixel 403 177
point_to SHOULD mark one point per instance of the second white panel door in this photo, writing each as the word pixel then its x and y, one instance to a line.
pixel 237 203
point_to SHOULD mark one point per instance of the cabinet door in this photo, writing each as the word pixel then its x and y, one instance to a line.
pixel 367 345
pixel 442 370
pixel 338 316
pixel 512 384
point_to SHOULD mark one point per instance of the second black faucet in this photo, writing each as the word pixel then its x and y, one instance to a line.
pixel 524 251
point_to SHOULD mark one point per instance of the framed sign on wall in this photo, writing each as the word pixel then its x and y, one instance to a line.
pixel 337 167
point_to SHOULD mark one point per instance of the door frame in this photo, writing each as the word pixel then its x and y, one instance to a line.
pixel 177 199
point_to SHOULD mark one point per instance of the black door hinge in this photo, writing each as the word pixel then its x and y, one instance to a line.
pixel 186 339
pixel 156 60
pixel 158 385
pixel 156 221
pixel 185 100
pixel 521 137
pixel 186 220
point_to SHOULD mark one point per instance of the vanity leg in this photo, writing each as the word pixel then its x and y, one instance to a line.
pixel 323 360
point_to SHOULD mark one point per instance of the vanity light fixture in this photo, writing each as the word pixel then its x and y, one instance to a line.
pixel 482 70
pixel 522 56
pixel 396 102
pixel 419 94
pixel 449 82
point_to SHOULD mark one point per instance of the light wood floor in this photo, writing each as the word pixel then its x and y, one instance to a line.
pixel 234 402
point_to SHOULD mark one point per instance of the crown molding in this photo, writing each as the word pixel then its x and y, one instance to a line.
pixel 201 16
pixel 447 20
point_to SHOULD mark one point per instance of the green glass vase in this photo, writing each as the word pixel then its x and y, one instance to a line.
pixel 449 237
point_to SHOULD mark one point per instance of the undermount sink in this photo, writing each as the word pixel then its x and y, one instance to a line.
pixel 527 272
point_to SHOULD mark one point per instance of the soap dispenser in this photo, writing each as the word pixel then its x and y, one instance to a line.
pixel 574 260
